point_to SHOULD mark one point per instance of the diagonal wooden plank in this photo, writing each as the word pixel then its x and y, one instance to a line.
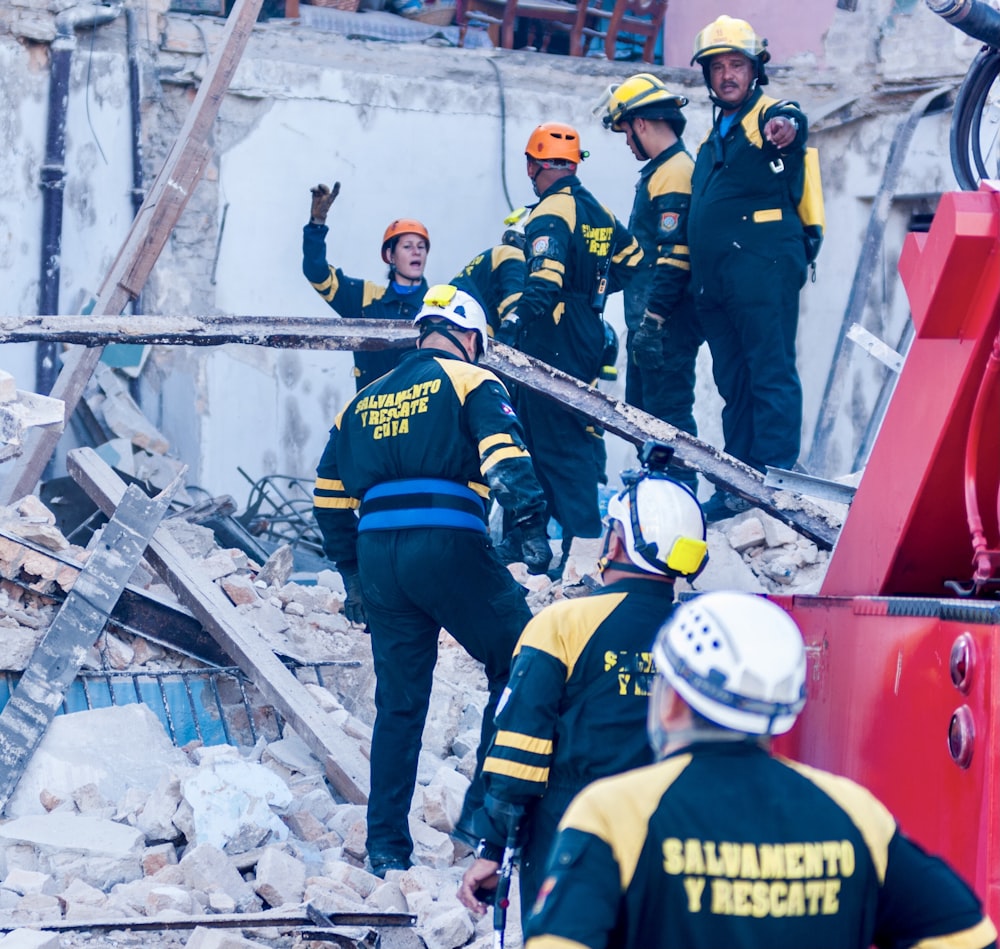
pixel 342 758
pixel 60 654
pixel 153 222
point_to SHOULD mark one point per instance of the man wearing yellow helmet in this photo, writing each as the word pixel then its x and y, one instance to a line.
pixel 405 245
pixel 748 253
pixel 663 332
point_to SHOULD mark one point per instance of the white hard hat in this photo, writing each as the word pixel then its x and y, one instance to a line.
pixel 457 307
pixel 663 526
pixel 737 659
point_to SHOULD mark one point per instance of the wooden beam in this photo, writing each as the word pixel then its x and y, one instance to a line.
pixel 333 333
pixel 153 222
pixel 345 765
pixel 63 649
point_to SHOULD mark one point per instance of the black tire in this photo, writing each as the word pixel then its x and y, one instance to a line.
pixel 968 160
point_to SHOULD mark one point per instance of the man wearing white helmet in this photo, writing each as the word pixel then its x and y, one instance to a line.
pixel 417 453
pixel 722 844
pixel 576 706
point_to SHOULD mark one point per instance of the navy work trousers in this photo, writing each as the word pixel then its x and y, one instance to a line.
pixel 416 582
pixel 749 312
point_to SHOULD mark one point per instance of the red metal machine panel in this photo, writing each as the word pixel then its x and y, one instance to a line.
pixel 907 531
pixel 880 703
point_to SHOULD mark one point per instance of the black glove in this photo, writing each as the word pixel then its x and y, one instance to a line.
pixel 322 198
pixel 535 547
pixel 354 604
pixel 510 330
pixel 647 343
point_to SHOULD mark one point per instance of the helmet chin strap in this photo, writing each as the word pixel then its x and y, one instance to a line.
pixel 443 329
pixel 725 106
pixel 640 148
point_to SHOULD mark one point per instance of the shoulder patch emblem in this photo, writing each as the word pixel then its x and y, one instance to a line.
pixel 507 408
pixel 669 222
pixel 540 246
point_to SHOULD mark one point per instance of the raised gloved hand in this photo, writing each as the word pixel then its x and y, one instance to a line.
pixel 509 332
pixel 354 604
pixel 322 198
pixel 535 547
pixel 647 343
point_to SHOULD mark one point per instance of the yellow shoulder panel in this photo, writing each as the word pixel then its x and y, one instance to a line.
pixel 618 809
pixel 673 176
pixel 564 628
pixel 373 291
pixel 870 815
pixel 751 121
pixel 465 376
pixel 503 252
pixel 561 205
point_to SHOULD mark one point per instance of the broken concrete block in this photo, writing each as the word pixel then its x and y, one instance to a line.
pixel 231 805
pixel 205 938
pixel 154 859
pixel 447 929
pixel 745 533
pixel 777 532
pixel 169 899
pixel 99 852
pixel 30 939
pixel 280 879
pixel 278 568
pixel 8 387
pixel 332 896
pixel 240 589
pixel 112 748
pixel 207 868
pixel 22 881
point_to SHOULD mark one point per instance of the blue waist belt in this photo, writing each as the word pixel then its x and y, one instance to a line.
pixel 422 502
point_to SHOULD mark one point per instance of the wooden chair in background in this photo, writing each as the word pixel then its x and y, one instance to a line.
pixel 642 18
pixel 541 18
pixel 583 22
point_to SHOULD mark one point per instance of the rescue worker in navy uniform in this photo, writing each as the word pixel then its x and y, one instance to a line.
pixel 576 706
pixel 721 844
pixel 418 452
pixel 748 257
pixel 405 245
pixel 663 331
pixel 496 276
pixel 576 251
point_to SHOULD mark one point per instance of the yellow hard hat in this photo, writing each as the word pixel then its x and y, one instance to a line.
pixel 641 95
pixel 728 34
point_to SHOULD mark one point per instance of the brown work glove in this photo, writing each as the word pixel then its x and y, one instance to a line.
pixel 322 198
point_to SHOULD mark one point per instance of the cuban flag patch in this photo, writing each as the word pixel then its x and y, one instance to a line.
pixel 507 408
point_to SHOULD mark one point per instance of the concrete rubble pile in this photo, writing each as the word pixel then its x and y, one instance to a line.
pixel 110 820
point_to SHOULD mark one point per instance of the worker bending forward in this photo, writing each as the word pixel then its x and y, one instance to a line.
pixel 575 710
pixel 418 453
pixel 722 844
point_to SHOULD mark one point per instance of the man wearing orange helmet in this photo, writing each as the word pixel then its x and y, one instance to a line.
pixel 748 252
pixel 576 250
pixel 405 245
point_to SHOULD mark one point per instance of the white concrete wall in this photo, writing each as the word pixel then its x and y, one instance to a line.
pixel 408 130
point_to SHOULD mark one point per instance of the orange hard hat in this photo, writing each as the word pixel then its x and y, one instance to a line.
pixel 555 141
pixel 403 225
